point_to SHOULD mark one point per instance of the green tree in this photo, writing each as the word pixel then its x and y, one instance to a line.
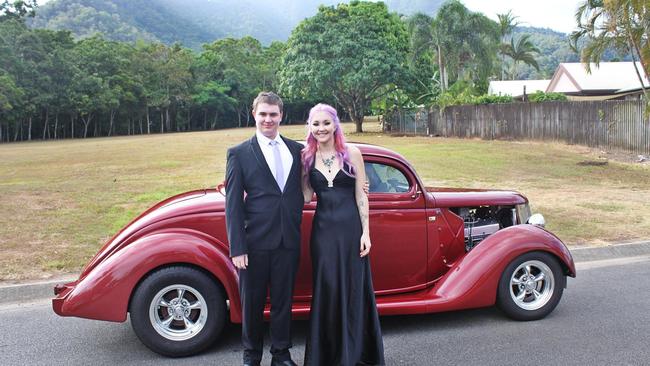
pixel 348 53
pixel 620 24
pixel 423 63
pixel 521 51
pixel 464 43
pixel 507 24
pixel 239 64
pixel 17 9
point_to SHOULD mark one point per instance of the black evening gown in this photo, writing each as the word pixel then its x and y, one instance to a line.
pixel 344 324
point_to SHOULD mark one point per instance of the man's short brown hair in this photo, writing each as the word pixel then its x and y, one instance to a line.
pixel 268 98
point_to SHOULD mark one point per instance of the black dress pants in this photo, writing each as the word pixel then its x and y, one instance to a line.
pixel 275 271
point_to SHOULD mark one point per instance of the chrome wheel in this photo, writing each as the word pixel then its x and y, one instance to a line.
pixel 178 312
pixel 532 285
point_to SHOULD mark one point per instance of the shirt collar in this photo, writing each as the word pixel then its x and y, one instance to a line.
pixel 264 141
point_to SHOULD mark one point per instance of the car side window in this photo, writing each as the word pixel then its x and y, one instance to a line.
pixel 384 178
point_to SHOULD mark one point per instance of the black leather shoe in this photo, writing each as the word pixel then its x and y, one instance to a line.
pixel 288 362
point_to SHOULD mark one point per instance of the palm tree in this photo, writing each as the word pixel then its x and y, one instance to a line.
pixel 459 39
pixel 620 24
pixel 521 51
pixel 507 24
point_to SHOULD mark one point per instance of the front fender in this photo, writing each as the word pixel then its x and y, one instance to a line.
pixel 472 281
pixel 104 293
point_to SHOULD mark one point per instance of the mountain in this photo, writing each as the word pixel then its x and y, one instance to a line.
pixel 192 22
pixel 196 22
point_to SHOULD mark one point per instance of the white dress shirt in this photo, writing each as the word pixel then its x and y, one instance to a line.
pixel 285 154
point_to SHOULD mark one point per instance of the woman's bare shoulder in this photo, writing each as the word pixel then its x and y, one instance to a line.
pixel 354 151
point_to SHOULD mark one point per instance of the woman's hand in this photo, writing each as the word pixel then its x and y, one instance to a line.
pixel 365 245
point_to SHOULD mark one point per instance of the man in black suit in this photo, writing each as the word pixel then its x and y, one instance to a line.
pixel 263 213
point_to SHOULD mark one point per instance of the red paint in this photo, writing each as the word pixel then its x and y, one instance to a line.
pixel 419 265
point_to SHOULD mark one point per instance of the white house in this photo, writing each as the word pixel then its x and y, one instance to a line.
pixel 517 88
pixel 608 80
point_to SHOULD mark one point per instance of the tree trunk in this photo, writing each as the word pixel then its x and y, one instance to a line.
pixel 96 130
pixel 148 122
pixel 168 123
pixel 356 113
pixel 638 74
pixel 140 123
pixel 56 124
pixel 443 71
pixel 214 121
pixel 205 119
pixel 71 125
pixel 47 121
pixel 162 122
pixel 358 121
pixel 110 124
pixel 239 117
pixel 86 121
pixel 29 131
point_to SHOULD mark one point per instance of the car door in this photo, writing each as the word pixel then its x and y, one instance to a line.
pixel 398 231
pixel 397 227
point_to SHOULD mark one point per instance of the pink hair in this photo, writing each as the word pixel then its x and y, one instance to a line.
pixel 311 146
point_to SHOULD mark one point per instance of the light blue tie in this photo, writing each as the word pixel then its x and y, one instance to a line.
pixel 279 169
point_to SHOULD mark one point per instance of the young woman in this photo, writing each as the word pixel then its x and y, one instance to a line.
pixel 344 324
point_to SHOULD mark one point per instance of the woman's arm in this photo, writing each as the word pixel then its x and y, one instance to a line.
pixel 362 199
pixel 307 190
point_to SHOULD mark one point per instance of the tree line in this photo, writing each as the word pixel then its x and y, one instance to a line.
pixel 357 56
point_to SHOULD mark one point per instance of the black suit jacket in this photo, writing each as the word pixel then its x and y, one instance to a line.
pixel 264 216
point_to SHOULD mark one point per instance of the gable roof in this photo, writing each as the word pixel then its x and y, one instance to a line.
pixel 608 77
pixel 515 88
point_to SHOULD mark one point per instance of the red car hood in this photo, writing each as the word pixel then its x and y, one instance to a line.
pixel 461 197
pixel 199 201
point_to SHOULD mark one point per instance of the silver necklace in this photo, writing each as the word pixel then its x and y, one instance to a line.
pixel 328 162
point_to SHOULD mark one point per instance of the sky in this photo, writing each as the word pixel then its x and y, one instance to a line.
pixel 555 14
pixel 558 15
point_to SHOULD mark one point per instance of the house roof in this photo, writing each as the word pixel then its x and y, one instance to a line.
pixel 607 77
pixel 515 88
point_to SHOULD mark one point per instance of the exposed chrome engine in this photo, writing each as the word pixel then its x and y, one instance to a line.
pixel 483 221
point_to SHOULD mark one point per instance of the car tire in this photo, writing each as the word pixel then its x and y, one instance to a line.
pixel 531 286
pixel 178 311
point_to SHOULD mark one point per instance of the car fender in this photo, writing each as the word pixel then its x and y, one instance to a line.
pixel 472 281
pixel 104 293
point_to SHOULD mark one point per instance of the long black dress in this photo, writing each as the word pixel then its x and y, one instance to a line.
pixel 344 325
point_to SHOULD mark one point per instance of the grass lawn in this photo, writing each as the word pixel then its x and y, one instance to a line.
pixel 60 200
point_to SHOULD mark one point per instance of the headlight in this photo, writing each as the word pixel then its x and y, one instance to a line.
pixel 537 220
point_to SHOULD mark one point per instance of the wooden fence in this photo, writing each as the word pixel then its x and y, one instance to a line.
pixel 606 124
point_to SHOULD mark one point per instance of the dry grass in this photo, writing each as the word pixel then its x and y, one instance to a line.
pixel 60 200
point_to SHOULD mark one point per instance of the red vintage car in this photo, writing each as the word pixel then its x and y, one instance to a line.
pixel 434 250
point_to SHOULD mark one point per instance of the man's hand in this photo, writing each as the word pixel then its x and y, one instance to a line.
pixel 240 261
pixel 366 187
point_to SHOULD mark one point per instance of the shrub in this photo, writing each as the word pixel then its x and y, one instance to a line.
pixel 540 96
pixel 492 99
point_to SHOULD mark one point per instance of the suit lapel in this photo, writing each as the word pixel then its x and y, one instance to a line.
pixel 261 161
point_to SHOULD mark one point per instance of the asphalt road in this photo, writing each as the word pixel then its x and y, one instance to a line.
pixel 602 320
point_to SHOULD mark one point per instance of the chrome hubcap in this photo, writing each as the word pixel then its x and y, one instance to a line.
pixel 532 285
pixel 178 312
